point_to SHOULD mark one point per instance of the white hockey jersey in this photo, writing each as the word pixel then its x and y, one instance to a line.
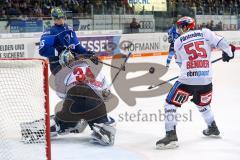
pixel 82 73
pixel 193 52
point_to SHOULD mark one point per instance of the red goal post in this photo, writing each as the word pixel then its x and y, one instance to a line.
pixel 24 93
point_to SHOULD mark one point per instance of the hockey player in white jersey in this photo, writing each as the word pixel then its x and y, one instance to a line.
pixel 193 54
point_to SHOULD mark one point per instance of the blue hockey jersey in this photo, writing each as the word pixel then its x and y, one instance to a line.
pixel 55 40
pixel 172 34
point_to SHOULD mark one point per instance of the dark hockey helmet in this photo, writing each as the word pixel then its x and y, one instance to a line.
pixel 57 13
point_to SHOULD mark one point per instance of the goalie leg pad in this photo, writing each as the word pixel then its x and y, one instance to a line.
pixel 60 127
pixel 78 127
pixel 104 133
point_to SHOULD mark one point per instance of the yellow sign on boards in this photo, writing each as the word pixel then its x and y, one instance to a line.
pixel 149 5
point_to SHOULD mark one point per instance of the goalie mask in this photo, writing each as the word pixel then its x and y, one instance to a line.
pixel 66 57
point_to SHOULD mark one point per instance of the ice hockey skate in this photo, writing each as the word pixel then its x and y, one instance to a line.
pixel 169 141
pixel 212 130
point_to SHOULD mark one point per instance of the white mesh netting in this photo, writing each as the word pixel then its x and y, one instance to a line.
pixel 22 110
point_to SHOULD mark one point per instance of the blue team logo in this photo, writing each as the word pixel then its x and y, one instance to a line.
pixel 67 38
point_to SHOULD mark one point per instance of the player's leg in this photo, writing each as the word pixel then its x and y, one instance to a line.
pixel 104 133
pixel 170 139
pixel 30 130
pixel 101 124
pixel 170 55
pixel 60 127
pixel 176 97
pixel 208 116
pixel 83 103
pixel 202 98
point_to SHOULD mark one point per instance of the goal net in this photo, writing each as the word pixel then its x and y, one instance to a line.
pixel 24 112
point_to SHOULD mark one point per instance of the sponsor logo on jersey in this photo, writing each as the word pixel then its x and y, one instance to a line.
pixel 193 35
pixel 198 73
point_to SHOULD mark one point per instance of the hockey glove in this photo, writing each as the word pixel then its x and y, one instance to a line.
pixel 170 39
pixel 226 57
pixel 93 57
pixel 233 48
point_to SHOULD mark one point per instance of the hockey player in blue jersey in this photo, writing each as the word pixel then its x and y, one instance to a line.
pixel 172 35
pixel 61 46
pixel 59 37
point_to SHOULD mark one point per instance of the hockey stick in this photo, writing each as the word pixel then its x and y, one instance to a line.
pixel 123 45
pixel 98 61
pixel 111 65
pixel 154 86
pixel 122 68
pixel 109 47
pixel 83 56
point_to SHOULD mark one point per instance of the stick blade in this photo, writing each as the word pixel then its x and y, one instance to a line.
pixel 150 87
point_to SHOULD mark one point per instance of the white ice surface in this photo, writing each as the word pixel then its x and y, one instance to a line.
pixel 136 140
